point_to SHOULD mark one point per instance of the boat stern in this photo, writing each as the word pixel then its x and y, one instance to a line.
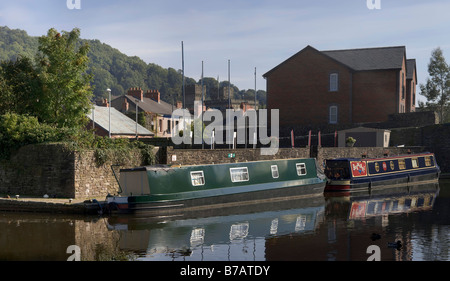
pixel 117 204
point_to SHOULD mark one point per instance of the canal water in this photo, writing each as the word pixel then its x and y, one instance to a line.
pixel 392 224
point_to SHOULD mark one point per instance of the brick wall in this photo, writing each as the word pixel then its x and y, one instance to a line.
pixel 300 89
pixel 374 95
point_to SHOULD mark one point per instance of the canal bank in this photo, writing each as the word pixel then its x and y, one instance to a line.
pixel 52 205
pixel 37 170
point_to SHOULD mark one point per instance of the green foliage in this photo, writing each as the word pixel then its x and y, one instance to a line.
pixel 66 90
pixel 141 117
pixel 20 86
pixel 118 151
pixel 437 87
pixel 15 43
pixel 19 130
pixel 112 69
pixel 46 99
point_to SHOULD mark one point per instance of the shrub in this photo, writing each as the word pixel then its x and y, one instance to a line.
pixel 19 130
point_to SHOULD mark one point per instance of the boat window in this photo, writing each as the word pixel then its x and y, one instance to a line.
pixel 197 178
pixel 415 163
pixel 239 174
pixel 401 164
pixel 301 169
pixel 337 170
pixel 274 169
pixel 427 161
pixel 377 167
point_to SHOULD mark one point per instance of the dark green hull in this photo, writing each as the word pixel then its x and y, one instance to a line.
pixel 171 189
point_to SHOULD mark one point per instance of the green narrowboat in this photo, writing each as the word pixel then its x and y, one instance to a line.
pixel 162 190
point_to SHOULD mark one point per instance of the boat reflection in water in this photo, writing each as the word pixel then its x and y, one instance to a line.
pixel 330 227
pixel 234 234
pixel 385 201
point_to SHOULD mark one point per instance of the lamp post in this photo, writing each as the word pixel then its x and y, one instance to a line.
pixel 137 101
pixel 109 130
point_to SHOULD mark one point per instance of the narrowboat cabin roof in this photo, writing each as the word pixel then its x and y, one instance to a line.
pixel 382 158
pixel 168 166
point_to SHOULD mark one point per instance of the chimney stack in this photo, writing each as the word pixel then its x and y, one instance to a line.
pixel 154 95
pixel 136 93
pixel 125 105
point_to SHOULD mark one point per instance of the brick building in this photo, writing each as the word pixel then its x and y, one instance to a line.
pixel 158 113
pixel 219 101
pixel 342 86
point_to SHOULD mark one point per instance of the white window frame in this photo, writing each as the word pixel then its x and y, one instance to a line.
pixel 300 167
pixel 274 169
pixel 334 82
pixel 333 118
pixel 194 180
pixel 415 163
pixel 236 177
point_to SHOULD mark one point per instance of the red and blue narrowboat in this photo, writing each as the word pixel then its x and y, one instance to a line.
pixel 351 174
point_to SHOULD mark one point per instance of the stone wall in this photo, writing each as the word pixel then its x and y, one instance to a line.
pixel 208 156
pixel 93 180
pixel 38 170
pixel 55 170
pixel 324 153
pixel 197 156
pixel 435 138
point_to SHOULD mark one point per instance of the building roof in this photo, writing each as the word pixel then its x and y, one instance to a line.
pixel 411 69
pixel 370 58
pixel 363 129
pixel 150 105
pixel 120 123
pixel 381 58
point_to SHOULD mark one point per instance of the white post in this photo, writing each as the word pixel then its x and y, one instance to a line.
pixel 109 130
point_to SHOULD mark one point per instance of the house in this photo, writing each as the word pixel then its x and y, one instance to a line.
pixel 350 86
pixel 158 113
pixel 219 101
pixel 121 125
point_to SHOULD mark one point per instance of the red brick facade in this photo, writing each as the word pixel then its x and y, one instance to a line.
pixel 302 89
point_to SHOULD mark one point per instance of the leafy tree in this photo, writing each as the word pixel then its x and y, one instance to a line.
pixel 20 86
pixel 437 87
pixel 66 89
pixel 18 130
pixel 112 69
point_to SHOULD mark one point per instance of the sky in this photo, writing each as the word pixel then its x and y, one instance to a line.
pixel 248 33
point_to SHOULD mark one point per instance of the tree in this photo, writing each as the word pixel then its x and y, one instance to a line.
pixel 19 86
pixel 66 91
pixel 437 87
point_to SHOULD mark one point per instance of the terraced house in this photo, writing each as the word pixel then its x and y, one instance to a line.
pixel 342 86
